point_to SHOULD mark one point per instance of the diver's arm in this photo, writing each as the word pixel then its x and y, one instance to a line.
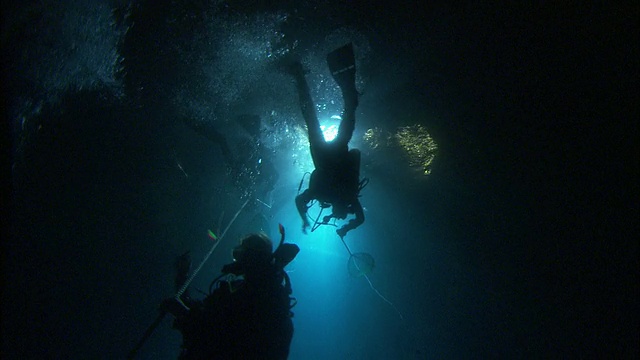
pixel 301 204
pixel 359 220
pixel 353 223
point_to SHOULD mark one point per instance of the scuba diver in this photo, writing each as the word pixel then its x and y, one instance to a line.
pixel 335 181
pixel 247 316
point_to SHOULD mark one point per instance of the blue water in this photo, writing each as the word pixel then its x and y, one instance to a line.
pixel 520 243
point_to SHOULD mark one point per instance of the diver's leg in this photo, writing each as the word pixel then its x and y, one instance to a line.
pixel 316 139
pixel 342 65
pixel 347 124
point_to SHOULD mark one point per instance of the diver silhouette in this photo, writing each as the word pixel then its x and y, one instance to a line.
pixel 248 318
pixel 335 181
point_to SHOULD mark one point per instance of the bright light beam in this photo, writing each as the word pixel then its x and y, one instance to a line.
pixel 330 131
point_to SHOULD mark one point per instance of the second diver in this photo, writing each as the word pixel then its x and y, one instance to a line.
pixel 335 181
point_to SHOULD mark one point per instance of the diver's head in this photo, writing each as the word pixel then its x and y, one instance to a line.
pixel 340 210
pixel 254 251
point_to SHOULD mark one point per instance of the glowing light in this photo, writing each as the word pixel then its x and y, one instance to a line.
pixel 330 132
pixel 417 143
pixel 374 137
pixel 419 146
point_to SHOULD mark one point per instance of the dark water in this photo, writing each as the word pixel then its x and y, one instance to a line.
pixel 521 243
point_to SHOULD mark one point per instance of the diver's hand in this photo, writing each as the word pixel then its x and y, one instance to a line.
pixel 305 226
pixel 341 232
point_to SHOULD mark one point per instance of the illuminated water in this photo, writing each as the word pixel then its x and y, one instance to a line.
pixel 501 211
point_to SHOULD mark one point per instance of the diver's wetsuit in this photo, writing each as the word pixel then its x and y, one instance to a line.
pixel 336 177
pixel 240 319
pixel 244 319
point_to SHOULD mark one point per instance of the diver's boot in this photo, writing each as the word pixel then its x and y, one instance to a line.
pixel 342 65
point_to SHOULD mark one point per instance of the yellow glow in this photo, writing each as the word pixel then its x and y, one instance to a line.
pixel 419 146
pixel 416 142
pixel 329 132
pixel 373 137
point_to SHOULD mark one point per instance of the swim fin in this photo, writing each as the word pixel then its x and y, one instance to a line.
pixel 285 254
pixel 342 65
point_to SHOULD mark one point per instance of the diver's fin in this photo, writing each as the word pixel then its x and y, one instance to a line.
pixel 285 254
pixel 291 64
pixel 342 60
pixel 342 65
